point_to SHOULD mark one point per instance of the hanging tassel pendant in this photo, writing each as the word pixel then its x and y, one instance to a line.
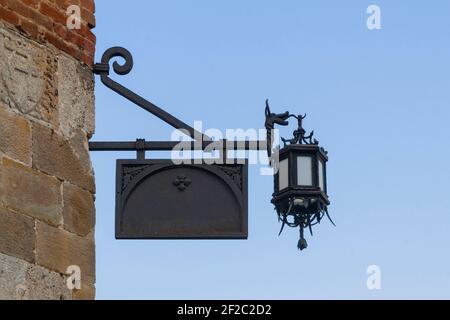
pixel 302 244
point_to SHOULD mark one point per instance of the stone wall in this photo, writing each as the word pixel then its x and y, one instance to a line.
pixel 47 188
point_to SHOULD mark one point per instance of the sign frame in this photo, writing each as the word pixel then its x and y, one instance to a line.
pixel 149 230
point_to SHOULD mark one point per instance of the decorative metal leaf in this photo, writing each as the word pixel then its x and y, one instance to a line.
pixel 328 215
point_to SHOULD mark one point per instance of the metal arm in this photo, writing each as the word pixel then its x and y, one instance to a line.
pixel 169 145
pixel 201 141
pixel 103 70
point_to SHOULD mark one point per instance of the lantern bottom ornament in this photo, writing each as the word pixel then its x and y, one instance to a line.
pixel 303 213
pixel 300 196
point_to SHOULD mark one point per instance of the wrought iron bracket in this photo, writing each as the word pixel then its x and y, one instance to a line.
pixel 201 141
pixel 103 69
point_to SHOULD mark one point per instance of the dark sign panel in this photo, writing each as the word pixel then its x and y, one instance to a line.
pixel 157 199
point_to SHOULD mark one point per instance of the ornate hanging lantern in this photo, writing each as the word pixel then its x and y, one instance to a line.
pixel 300 196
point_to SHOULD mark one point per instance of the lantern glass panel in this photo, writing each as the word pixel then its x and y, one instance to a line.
pixel 321 176
pixel 283 174
pixel 304 171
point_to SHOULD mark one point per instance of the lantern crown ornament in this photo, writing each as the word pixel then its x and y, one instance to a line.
pixel 300 186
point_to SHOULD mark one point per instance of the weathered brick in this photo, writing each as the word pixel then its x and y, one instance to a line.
pixel 52 12
pixel 30 192
pixel 15 136
pixel 17 236
pixel 29 27
pixel 20 8
pixel 42 20
pixel 87 33
pixel 57 41
pixel 65 159
pixel 89 46
pixel 36 18
pixel 89 5
pixel 79 210
pixel 75 38
pixel 9 16
pixel 31 3
pixel 63 4
pixel 89 17
pixel 60 30
pixel 58 249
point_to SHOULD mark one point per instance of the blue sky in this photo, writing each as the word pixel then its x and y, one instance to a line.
pixel 377 100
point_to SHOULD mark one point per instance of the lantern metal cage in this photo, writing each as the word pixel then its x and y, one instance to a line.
pixel 300 182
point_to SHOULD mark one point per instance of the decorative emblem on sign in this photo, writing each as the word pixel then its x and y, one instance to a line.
pixel 182 182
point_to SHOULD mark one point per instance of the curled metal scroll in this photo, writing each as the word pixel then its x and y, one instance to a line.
pixel 114 52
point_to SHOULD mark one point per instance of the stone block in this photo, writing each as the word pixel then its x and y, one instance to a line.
pixel 87 292
pixel 66 159
pixel 17 235
pixel 30 192
pixel 57 249
pixel 76 97
pixel 20 280
pixel 79 210
pixel 15 136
